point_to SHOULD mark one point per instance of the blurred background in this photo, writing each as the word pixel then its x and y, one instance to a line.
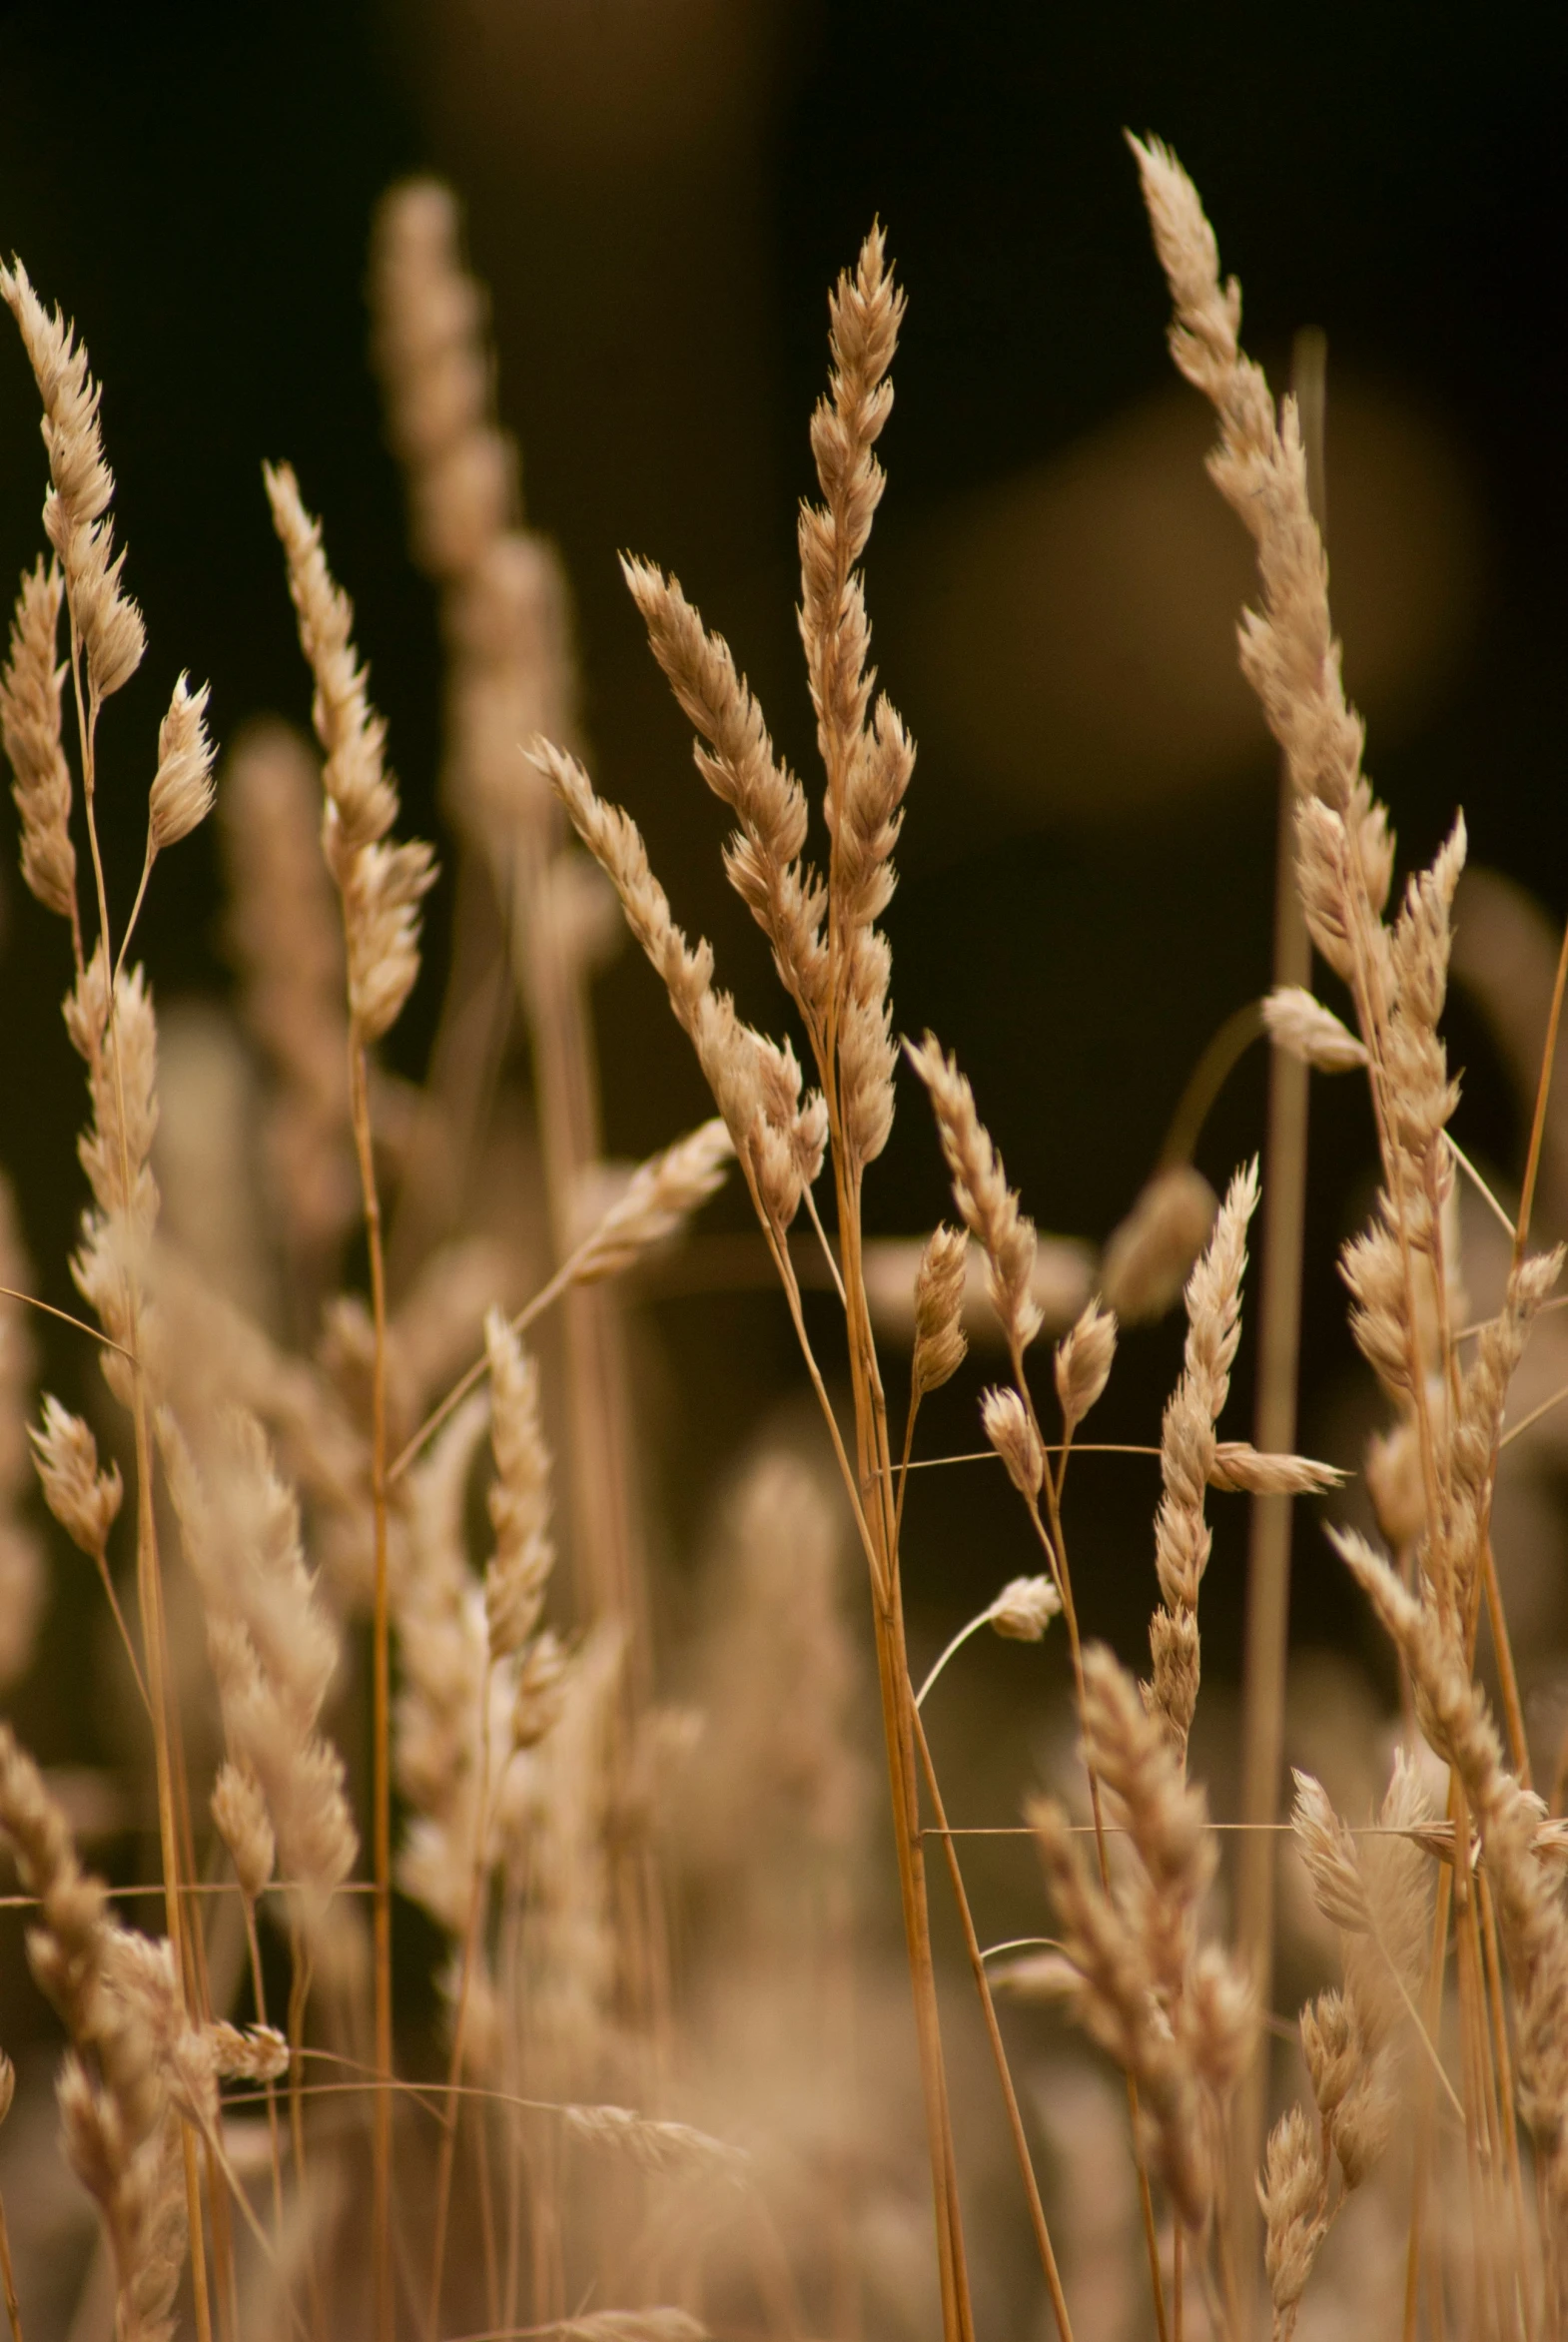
pixel 660 193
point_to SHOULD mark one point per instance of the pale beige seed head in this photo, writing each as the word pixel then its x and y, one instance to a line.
pixel 1015 1439
pixel 84 1499
pixel 1149 1255
pixel 659 1196
pixel 662 2147
pixel 1239 1466
pixel 1291 2193
pixel 1220 2009
pixel 940 1340
pixel 363 801
pixel 1328 1849
pixel 285 934
pixel 29 726
pixel 1330 2048
pixel 987 1206
pixel 182 791
pixel 258 2053
pixel 540 1695
pixel 81 489
pixel 1082 1362
pixel 1025 1608
pixel 7 2085
pixel 240 1818
pixel 1392 1472
pixel 1305 1029
pixel 525 1555
pixel 633 2325
pixel 382 887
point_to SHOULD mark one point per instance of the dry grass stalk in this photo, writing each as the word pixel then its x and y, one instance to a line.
pixel 1401 1271
pixel 286 936
pixel 13 2308
pixel 1305 1029
pixel 519 1759
pixel 108 1015
pixel 1376 1891
pixel 115 2111
pixel 274 1652
pixel 507 622
pixel 21 1563
pixel 1178 2018
pixel 835 965
pixel 30 725
pixel 381 886
pixel 1189 1454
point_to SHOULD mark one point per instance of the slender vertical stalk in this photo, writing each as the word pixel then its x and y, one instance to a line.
pixel 874 1507
pixel 1431 2010
pixel 607 1550
pixel 149 1576
pixel 1036 2211
pixel 13 2308
pixel 258 1990
pixel 1280 1328
pixel 381 1705
pixel 299 1994
pixel 1506 2106
pixel 1054 1545
pixel 470 1937
pixel 1542 1093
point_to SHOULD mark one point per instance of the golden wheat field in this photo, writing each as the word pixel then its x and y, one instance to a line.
pixel 613 1426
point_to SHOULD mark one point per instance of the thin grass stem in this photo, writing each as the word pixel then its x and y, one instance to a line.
pixel 1480 1184
pixel 977 1962
pixel 471 1932
pixel 13 2308
pixel 380 1699
pixel 1543 1088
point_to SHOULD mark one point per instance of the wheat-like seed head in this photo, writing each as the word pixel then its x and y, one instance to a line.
pixel 108 1988
pixel 381 884
pixel 1238 1465
pixel 1328 1849
pixel 519 1499
pixel 1188 1450
pixel 1082 1364
pixel 272 1648
pixel 778 1136
pixel 84 1499
pixel 1305 1029
pixel 940 1340
pixel 29 726
pixel 735 757
pixel 660 1195
pixel 240 1818
pixel 105 619
pixel 430 324
pixel 1010 1431
pixel 183 789
pixel 987 1206
pixel 1025 1608
pixel 1291 2193
pixel 671 2149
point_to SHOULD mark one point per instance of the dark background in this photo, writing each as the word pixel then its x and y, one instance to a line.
pixel 660 194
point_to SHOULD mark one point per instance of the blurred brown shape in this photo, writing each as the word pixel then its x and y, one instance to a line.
pixel 1505 955
pixel 1150 1254
pixel 613 86
pixel 1076 639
